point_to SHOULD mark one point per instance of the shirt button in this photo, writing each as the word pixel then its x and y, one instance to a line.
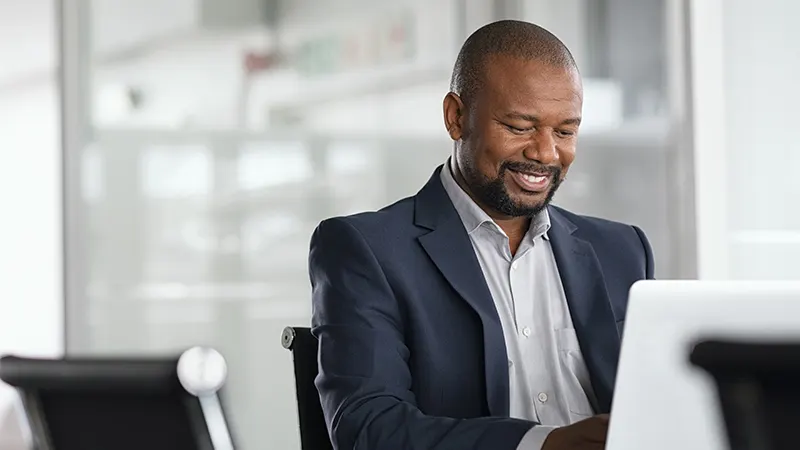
pixel 514 266
pixel 510 363
pixel 526 331
pixel 542 397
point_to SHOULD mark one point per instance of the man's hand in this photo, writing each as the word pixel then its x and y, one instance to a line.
pixel 588 434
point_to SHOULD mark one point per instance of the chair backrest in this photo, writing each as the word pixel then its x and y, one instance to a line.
pixel 127 404
pixel 313 431
pixel 758 389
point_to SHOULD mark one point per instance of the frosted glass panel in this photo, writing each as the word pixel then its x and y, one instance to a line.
pixel 218 142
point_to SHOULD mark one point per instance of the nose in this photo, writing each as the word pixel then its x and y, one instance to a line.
pixel 542 148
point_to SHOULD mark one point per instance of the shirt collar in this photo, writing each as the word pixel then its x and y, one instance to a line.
pixel 472 216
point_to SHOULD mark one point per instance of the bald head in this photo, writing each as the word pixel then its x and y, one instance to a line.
pixel 513 115
pixel 513 38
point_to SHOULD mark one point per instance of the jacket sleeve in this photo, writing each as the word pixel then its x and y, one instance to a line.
pixel 364 380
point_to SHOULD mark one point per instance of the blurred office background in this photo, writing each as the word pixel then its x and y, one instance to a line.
pixel 164 162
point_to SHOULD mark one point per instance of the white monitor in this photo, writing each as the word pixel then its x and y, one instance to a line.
pixel 661 401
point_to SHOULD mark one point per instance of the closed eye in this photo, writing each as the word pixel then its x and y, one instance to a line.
pixel 565 133
pixel 516 130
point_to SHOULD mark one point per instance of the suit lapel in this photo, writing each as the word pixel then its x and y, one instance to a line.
pixel 589 305
pixel 450 249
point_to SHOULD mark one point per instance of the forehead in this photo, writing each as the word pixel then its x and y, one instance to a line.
pixel 519 83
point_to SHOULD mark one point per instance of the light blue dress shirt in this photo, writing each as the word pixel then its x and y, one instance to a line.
pixel 548 379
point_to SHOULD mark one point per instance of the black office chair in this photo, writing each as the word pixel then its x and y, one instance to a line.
pixel 303 345
pixel 758 386
pixel 120 404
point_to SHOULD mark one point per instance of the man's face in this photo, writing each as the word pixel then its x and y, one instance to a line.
pixel 516 139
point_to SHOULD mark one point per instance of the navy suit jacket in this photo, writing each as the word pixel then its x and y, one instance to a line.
pixel 411 351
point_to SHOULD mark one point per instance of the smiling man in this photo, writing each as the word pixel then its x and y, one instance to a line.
pixel 474 314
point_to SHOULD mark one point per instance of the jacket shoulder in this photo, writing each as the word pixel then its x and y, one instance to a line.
pixel 388 221
pixel 596 225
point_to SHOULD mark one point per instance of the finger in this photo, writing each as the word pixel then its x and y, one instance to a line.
pixel 604 433
pixel 598 424
pixel 595 439
pixel 597 431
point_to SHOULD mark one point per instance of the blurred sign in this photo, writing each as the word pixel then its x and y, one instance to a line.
pixel 386 41
pixel 258 62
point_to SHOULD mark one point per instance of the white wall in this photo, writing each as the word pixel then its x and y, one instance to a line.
pixel 708 111
pixel 30 229
pixel 29 23
pixel 747 149
pixel 31 305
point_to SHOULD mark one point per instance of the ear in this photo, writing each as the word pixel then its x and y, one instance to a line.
pixel 453 109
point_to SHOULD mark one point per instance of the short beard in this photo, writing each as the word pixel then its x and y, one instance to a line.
pixel 493 192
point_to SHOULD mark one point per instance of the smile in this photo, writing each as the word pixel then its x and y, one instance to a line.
pixel 531 182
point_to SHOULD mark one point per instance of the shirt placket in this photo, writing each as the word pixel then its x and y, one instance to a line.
pixel 529 335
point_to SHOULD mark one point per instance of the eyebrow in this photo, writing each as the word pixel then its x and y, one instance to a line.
pixel 534 119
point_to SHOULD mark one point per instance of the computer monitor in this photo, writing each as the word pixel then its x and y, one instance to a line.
pixel 663 401
pixel 124 404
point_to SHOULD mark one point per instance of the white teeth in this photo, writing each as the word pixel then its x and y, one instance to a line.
pixel 534 179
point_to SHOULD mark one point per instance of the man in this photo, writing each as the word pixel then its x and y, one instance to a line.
pixel 474 315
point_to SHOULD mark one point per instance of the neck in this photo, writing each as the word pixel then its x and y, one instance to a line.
pixel 515 227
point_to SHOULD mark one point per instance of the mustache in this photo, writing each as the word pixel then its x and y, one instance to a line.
pixel 530 168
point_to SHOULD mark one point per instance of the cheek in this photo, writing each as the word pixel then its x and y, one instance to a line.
pixel 493 145
pixel 493 151
pixel 566 156
pixel 498 151
pixel 488 163
pixel 481 160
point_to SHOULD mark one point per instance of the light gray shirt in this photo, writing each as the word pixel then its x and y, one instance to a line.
pixel 548 379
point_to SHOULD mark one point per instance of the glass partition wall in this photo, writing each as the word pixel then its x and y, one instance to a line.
pixel 207 138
